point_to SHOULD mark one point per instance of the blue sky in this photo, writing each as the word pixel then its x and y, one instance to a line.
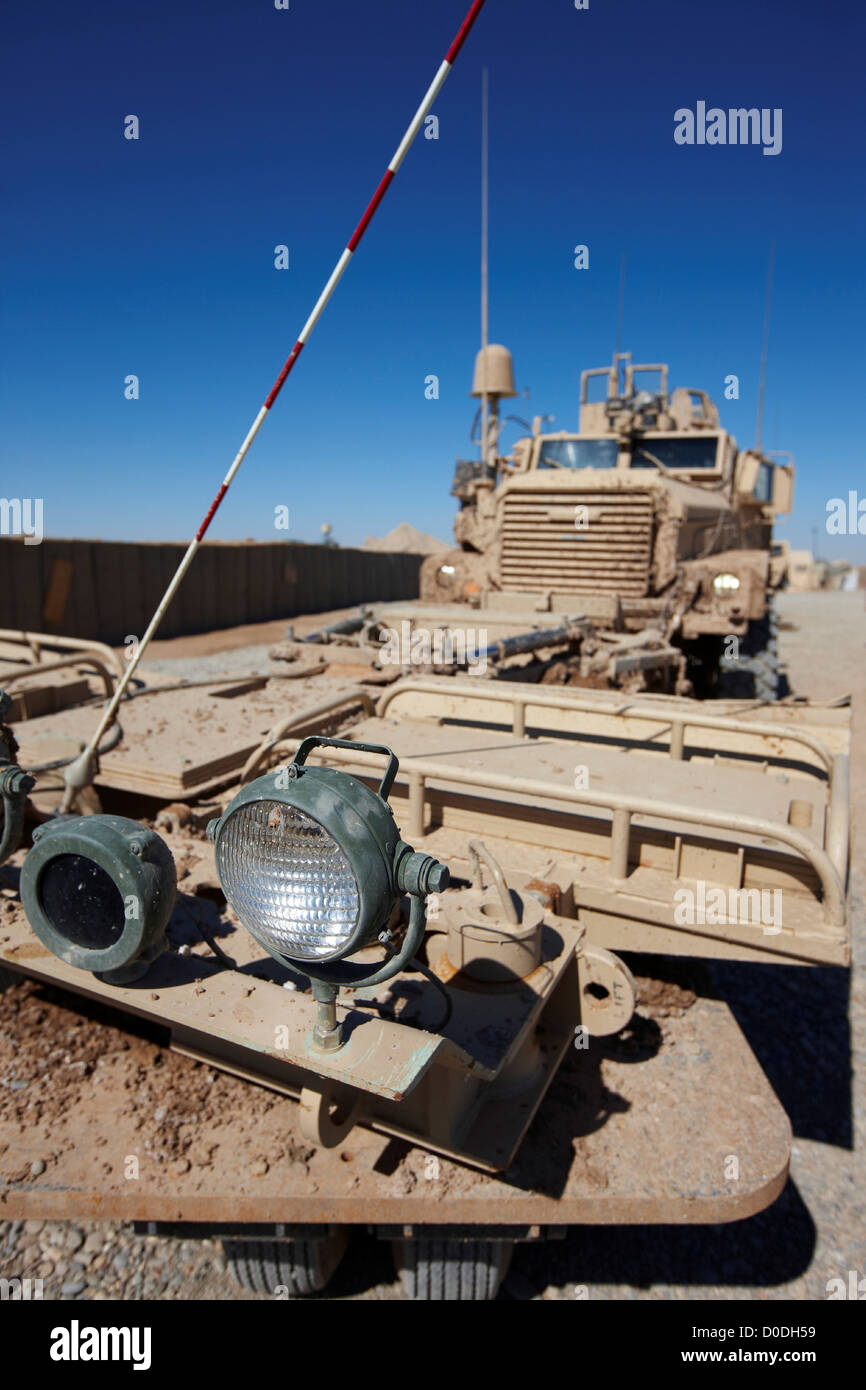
pixel 260 127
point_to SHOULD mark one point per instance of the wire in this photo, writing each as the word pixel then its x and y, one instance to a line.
pixel 434 980
pixel 385 1012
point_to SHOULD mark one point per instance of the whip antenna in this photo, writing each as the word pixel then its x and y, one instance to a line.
pixel 80 773
pixel 759 425
pixel 485 299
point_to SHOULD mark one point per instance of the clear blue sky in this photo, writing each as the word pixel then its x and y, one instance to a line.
pixel 261 127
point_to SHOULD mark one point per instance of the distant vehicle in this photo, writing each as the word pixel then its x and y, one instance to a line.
pixel 648 520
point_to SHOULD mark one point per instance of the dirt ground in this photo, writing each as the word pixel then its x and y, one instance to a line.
pixel 806 1026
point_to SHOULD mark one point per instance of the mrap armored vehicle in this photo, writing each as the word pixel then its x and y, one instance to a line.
pixel 648 525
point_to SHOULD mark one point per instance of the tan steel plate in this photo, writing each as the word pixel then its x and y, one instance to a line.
pixel 184 741
pixel 623 1136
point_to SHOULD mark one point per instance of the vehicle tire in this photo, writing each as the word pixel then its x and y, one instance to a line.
pixel 301 1267
pixel 754 674
pixel 443 1270
pixel 8 977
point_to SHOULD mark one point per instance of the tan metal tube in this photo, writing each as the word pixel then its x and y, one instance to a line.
pixel 733 823
pixel 36 640
pixel 838 821
pixel 76 659
pixel 277 733
pixel 480 853
pixel 551 700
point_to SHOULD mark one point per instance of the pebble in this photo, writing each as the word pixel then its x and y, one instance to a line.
pixel 72 1290
pixel 37 1168
pixel 74 1240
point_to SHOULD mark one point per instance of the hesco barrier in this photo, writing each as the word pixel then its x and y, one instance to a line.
pixel 109 589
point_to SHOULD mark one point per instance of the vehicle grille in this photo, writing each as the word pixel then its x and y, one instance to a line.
pixel 543 550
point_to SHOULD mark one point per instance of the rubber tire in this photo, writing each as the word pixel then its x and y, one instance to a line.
pixel 755 674
pixel 302 1266
pixel 442 1270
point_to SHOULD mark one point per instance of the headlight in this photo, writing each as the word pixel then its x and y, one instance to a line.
pixel 311 861
pixel 98 891
pixel 288 880
pixel 724 583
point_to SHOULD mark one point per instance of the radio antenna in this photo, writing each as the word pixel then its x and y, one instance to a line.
pixel 621 304
pixel 485 297
pixel 80 773
pixel 763 379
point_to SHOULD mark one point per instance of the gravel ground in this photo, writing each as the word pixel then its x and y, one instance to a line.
pixel 805 1026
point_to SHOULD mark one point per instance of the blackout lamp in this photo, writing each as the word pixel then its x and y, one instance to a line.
pixel 312 863
pixel 98 891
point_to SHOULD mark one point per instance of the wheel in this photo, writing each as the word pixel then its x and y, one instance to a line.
pixel 299 1266
pixel 452 1270
pixel 754 673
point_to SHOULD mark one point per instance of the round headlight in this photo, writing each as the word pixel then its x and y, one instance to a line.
pixel 288 880
pixel 724 583
pixel 311 861
pixel 305 856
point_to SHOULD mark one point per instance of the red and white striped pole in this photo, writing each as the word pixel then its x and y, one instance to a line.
pixel 80 773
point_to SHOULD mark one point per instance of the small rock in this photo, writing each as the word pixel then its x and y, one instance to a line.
pixel 37 1168
pixel 71 1290
pixel 259 1167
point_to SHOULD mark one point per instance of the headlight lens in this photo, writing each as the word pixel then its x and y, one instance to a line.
pixel 82 902
pixel 288 880
pixel 724 583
